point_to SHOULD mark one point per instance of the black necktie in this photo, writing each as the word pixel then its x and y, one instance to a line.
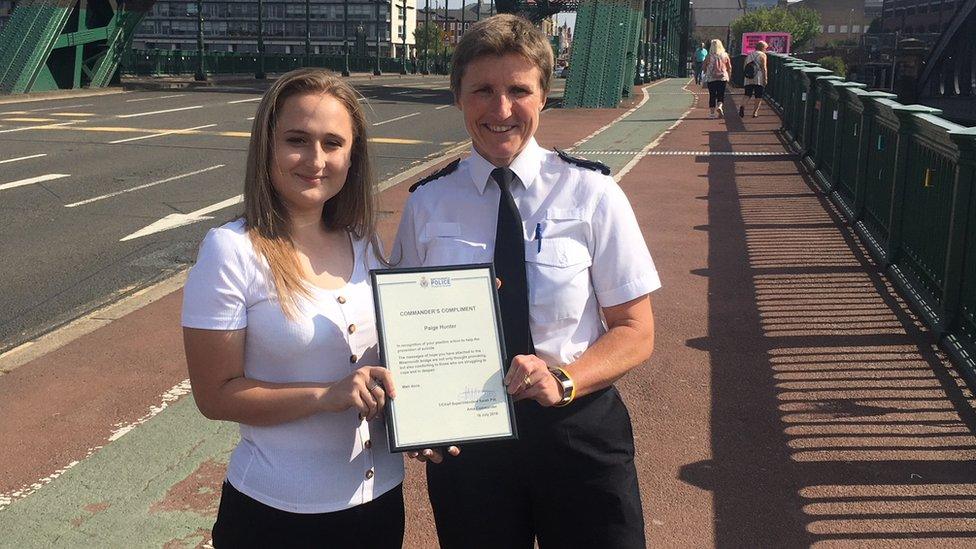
pixel 513 296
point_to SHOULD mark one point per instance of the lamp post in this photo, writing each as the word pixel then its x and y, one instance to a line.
pixel 308 33
pixel 377 71
pixel 647 41
pixel 403 20
pixel 259 74
pixel 200 75
pixel 345 37
pixel 426 69
pixel 446 33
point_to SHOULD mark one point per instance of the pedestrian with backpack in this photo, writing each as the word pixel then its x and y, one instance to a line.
pixel 755 71
pixel 717 70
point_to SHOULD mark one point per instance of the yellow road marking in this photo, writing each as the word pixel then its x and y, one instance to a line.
pixel 124 129
pixel 28 119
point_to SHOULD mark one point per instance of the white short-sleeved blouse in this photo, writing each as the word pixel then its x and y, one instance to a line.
pixel 325 462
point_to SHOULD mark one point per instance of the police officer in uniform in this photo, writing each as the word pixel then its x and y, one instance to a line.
pixel 575 278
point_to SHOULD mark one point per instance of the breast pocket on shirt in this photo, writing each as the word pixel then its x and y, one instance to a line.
pixel 557 269
pixel 445 245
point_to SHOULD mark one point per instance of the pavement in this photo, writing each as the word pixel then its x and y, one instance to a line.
pixel 793 400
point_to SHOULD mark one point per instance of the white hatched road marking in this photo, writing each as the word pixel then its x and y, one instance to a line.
pixel 443 107
pixel 33 180
pixel 140 187
pixel 152 135
pixel 159 112
pixel 395 119
pixel 22 158
pixel 62 107
pixel 151 98
pixel 173 221
pixel 244 100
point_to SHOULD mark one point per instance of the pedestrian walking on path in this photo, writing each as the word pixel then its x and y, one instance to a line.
pixel 569 253
pixel 700 54
pixel 755 70
pixel 261 312
pixel 718 71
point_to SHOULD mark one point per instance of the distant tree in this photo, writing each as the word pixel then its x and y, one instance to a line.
pixel 802 23
pixel 430 36
pixel 835 64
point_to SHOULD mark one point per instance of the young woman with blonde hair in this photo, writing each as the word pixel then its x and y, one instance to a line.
pixel 717 70
pixel 280 337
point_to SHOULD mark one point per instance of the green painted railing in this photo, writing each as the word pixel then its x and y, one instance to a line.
pixel 177 62
pixel 904 178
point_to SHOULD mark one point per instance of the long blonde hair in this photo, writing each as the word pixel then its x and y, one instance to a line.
pixel 716 47
pixel 352 209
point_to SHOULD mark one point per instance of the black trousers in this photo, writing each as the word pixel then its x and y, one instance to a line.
pixel 716 92
pixel 243 521
pixel 569 480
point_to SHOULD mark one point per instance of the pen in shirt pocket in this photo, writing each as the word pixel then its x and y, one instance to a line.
pixel 538 237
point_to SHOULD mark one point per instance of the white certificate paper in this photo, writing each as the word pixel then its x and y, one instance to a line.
pixel 441 338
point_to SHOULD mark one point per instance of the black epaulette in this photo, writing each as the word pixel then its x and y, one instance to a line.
pixel 584 163
pixel 436 175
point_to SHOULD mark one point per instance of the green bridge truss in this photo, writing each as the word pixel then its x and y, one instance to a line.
pixel 68 44
pixel 64 44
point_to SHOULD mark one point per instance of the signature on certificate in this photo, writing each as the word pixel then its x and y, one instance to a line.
pixel 476 394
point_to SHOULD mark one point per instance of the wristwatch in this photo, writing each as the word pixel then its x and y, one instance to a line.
pixel 566 383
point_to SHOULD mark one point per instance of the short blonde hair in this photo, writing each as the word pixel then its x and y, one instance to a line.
pixel 761 46
pixel 501 35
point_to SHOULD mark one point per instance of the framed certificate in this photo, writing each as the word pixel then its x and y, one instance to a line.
pixel 441 337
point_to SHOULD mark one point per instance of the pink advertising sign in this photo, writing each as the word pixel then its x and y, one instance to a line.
pixel 779 42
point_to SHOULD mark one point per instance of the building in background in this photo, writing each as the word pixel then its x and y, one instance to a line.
pixel 713 17
pixel 917 16
pixel 841 20
pixel 453 23
pixel 232 26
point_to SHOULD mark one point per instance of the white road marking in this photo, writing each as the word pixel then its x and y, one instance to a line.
pixel 62 107
pixel 250 118
pixel 633 161
pixel 175 393
pixel 140 187
pixel 150 136
pixel 244 100
pixel 173 221
pixel 395 119
pixel 42 126
pixel 33 180
pixel 151 98
pixel 159 112
pixel 443 107
pixel 22 158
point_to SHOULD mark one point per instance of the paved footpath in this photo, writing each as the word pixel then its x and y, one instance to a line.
pixel 792 399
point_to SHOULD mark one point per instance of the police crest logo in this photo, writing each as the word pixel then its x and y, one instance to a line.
pixel 424 282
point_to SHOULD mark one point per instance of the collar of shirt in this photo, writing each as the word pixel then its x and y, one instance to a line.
pixel 526 166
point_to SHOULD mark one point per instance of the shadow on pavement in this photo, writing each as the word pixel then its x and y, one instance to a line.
pixel 830 419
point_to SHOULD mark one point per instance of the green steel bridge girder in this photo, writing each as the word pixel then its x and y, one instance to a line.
pixel 607 42
pixel 66 44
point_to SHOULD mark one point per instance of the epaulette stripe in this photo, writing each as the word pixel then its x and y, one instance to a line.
pixel 436 175
pixel 584 163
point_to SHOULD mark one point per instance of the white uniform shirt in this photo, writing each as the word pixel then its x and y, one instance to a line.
pixel 591 253
pixel 321 463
